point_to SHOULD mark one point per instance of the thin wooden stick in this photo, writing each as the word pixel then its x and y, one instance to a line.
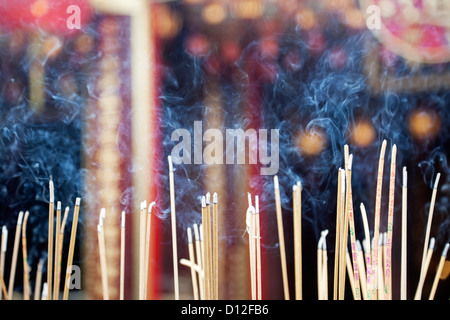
pixel 57 228
pixel 102 254
pixel 297 191
pixel 174 230
pixel 418 295
pixel 216 245
pixel 390 226
pixel 376 228
pixel 192 260
pixel 351 222
pixel 319 269
pixel 251 245
pixel 188 263
pixel 26 281
pixel 147 246
pixel 122 257
pixel 12 273
pixel 142 228
pixel 362 274
pixel 324 267
pixel 198 253
pixel 4 246
pixel 367 253
pixel 51 213
pixel 205 249
pixel 202 251
pixel 380 270
pixel 208 245
pixel 44 295
pixel 337 238
pixel 73 235
pixel 403 272
pixel 429 222
pixel 342 239
pixel 3 285
pixel 350 274
pixel 59 254
pixel 281 238
pixel 37 286
pixel 438 272
pixel 258 251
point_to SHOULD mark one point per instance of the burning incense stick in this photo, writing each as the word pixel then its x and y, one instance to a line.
pixel 319 269
pixel 192 260
pixel 102 254
pixel 216 245
pixel 429 222
pixel 337 238
pixel 380 270
pixel 390 226
pixel 258 251
pixel 57 228
pixel 205 250
pixel 376 228
pixel 59 254
pixel 44 295
pixel 438 272
pixel 251 245
pixel 297 191
pixel 403 272
pixel 281 238
pixel 367 252
pixel 324 267
pixel 350 274
pixel 4 246
pixel 37 286
pixel 343 238
pixel 351 221
pixel 208 246
pixel 142 228
pixel 423 275
pixel 198 253
pixel 73 235
pixel 12 273
pixel 26 281
pixel 51 209
pixel 174 229
pixel 122 257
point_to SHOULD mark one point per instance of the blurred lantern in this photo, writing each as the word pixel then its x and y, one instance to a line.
pixel 167 22
pixel 214 13
pixel 424 124
pixel 197 45
pixel 310 142
pixel 305 18
pixel 268 48
pixel 230 51
pixel 248 9
pixel 362 133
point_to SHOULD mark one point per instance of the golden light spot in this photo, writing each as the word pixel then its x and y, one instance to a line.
pixel 305 18
pixel 354 18
pixel 167 23
pixel 214 13
pixel 248 9
pixel 39 8
pixel 311 142
pixel 424 124
pixel 362 133
pixel 52 46
pixel 84 43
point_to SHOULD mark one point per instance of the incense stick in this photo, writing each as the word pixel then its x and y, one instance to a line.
pixel 44 295
pixel 142 228
pixel 258 251
pixel 296 191
pixel 59 253
pixel 199 256
pixel 324 266
pixel 350 273
pixel 205 250
pixel 438 272
pixel 208 246
pixel 390 226
pixel 51 208
pixel 429 222
pixel 367 252
pixel 102 254
pixel 376 228
pixel 12 273
pixel 281 238
pixel 319 269
pixel 403 272
pixel 342 238
pixel 380 270
pixel 192 260
pixel 147 246
pixel 71 248
pixel 361 267
pixel 418 295
pixel 58 225
pixel 122 257
pixel 251 244
pixel 37 286
pixel 216 245
pixel 337 237
pixel 174 229
pixel 26 281
pixel 4 246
